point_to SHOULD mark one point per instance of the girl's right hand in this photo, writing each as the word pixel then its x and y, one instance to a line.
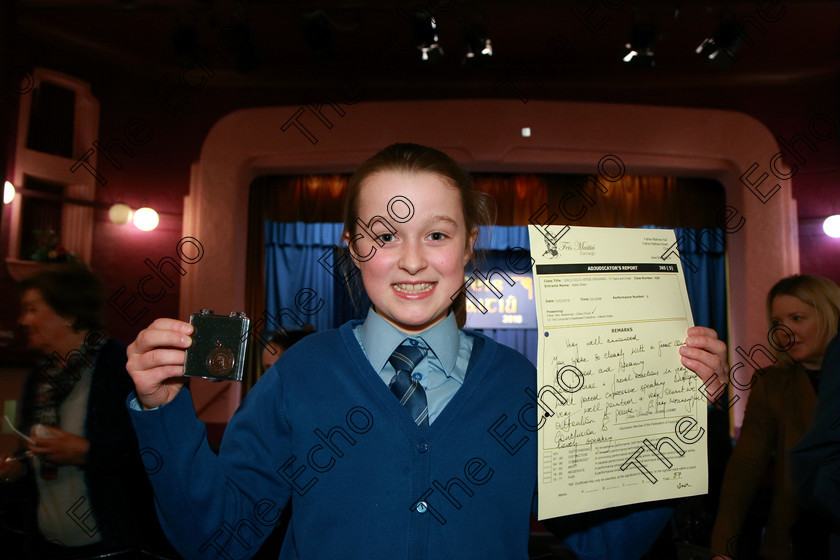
pixel 156 361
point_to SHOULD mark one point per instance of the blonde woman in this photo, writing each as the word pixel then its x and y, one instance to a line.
pixel 805 310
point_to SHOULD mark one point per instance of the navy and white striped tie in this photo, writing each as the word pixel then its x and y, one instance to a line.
pixel 410 393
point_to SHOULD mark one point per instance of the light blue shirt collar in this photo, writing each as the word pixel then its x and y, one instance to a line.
pixel 380 338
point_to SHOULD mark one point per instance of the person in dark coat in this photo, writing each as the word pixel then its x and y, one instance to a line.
pixel 81 466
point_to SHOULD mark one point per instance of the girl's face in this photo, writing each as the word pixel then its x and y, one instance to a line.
pixel 802 319
pixel 411 277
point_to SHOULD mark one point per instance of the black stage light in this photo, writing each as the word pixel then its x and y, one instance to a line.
pixel 719 49
pixel 639 51
pixel 479 46
pixel 236 39
pixel 426 35
pixel 318 33
pixel 183 38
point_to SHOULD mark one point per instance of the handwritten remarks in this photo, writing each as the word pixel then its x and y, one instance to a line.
pixel 618 313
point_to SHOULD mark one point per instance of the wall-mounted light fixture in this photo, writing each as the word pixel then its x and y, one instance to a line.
pixel 120 213
pixel 8 192
pixel 831 226
pixel 146 219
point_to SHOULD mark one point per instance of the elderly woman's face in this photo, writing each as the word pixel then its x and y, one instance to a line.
pixel 43 325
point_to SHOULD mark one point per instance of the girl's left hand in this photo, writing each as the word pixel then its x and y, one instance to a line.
pixel 60 447
pixel 705 355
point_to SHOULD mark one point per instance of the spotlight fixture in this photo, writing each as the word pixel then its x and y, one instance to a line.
pixel 719 49
pixel 236 38
pixel 426 35
pixel 316 29
pixel 183 38
pixel 479 46
pixel 639 51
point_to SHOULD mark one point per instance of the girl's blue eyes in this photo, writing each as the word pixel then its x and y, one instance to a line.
pixel 388 237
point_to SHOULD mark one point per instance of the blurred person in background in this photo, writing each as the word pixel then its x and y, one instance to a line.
pixel 281 341
pixel 779 411
pixel 88 493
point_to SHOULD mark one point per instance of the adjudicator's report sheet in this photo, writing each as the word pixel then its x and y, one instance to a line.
pixel 621 420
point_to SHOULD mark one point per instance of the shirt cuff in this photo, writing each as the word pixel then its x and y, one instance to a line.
pixel 135 404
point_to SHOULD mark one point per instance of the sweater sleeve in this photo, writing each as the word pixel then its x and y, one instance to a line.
pixel 217 507
pixel 746 466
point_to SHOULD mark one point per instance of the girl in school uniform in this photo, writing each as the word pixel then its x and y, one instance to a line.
pixel 399 436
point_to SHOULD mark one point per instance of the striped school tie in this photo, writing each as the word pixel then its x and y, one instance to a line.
pixel 407 390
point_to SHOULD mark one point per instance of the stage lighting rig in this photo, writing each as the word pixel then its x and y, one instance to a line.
pixel 719 49
pixel 426 34
pixel 639 51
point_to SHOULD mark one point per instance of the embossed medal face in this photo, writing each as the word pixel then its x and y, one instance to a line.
pixel 220 360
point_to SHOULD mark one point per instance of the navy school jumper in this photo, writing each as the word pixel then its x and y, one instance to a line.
pixel 321 429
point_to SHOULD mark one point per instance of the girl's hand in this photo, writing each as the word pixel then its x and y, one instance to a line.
pixel 60 447
pixel 156 361
pixel 705 355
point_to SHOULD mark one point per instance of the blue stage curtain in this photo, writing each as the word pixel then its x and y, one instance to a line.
pixel 293 251
pixel 492 246
pixel 703 255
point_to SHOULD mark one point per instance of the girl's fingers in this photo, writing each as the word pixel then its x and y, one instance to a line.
pixel 706 338
pixel 702 331
pixel 160 358
pixel 156 360
pixel 159 345
pixel 166 324
pixel 705 355
pixel 156 337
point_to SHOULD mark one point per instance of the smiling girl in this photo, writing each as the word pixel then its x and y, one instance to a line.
pixel 393 437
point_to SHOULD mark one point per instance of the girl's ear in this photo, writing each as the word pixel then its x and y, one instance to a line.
pixel 470 248
pixel 346 237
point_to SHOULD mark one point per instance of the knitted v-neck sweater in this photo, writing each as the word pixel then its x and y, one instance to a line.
pixel 322 430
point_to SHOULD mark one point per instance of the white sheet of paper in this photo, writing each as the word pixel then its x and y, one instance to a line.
pixel 621 420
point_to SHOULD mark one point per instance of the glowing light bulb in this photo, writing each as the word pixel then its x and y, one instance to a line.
pixel 146 219
pixel 120 213
pixel 8 192
pixel 831 226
